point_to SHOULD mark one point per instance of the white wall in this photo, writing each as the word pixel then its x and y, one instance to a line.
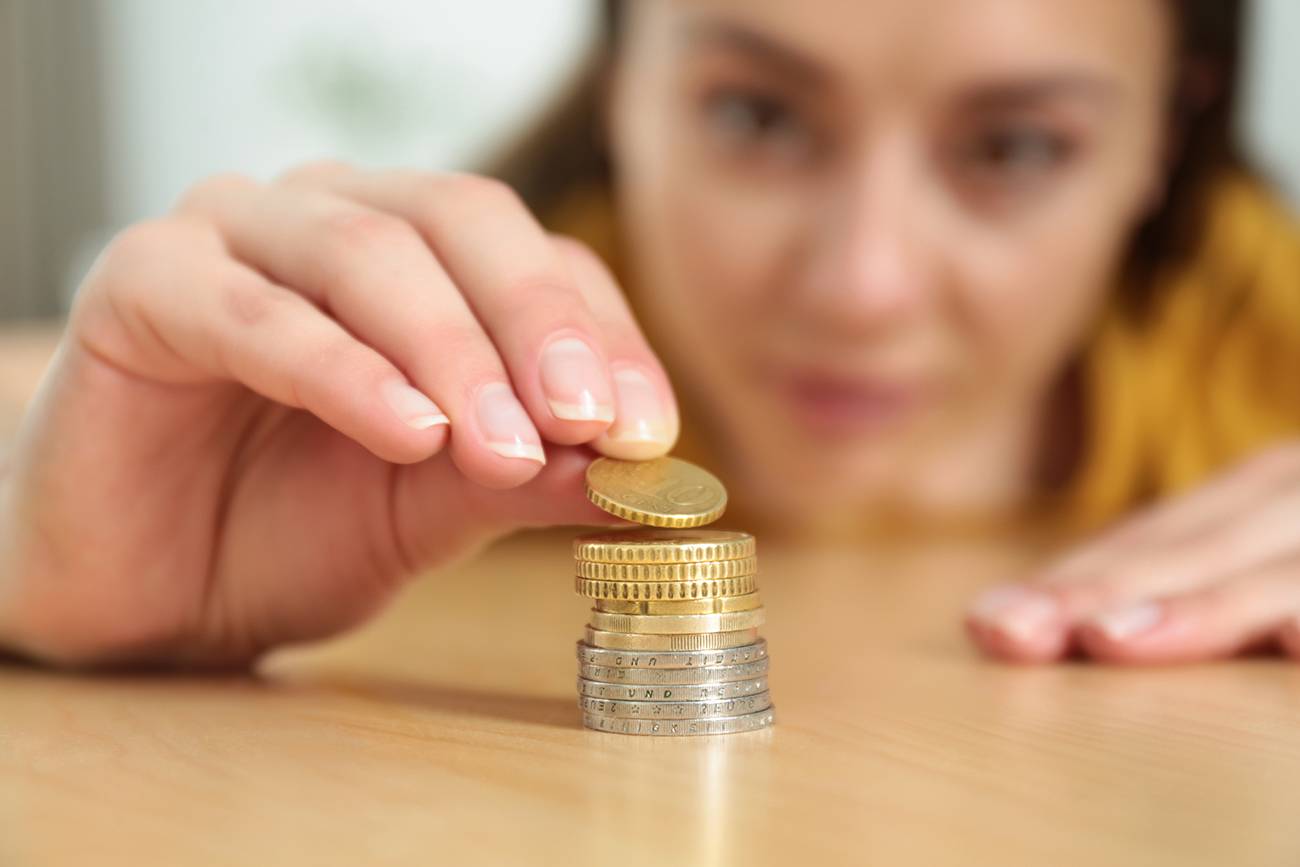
pixel 1272 106
pixel 202 86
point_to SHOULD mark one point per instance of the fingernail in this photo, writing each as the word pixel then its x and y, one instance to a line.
pixel 1123 623
pixel 412 406
pixel 506 426
pixel 1018 611
pixel 574 381
pixel 643 427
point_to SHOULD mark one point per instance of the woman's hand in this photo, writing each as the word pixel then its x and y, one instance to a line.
pixel 1209 575
pixel 271 405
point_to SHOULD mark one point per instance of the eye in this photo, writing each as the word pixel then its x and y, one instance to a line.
pixel 753 121
pixel 1017 152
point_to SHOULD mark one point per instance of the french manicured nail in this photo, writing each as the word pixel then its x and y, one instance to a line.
pixel 412 406
pixel 574 381
pixel 505 424
pixel 643 427
pixel 1123 623
pixel 1018 611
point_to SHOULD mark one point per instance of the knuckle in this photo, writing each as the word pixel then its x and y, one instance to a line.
pixel 476 190
pixel 314 172
pixel 358 231
pixel 248 300
pixel 202 195
pixel 139 243
pixel 121 269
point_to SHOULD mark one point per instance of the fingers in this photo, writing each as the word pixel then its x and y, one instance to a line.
pixel 1239 524
pixel 1184 519
pixel 518 285
pixel 376 275
pixel 1207 624
pixel 200 315
pixel 1239 543
pixel 1019 623
pixel 646 424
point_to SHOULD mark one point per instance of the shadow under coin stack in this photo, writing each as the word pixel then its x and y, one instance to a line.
pixel 672 647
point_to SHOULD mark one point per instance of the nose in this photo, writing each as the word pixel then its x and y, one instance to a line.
pixel 870 265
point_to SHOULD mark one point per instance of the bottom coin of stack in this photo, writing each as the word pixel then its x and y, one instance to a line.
pixel 672 647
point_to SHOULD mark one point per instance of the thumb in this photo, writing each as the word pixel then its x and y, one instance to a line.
pixel 439 513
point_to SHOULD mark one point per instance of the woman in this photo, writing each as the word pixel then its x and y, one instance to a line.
pixel 909 261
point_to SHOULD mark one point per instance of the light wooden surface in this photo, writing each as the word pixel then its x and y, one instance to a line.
pixel 429 738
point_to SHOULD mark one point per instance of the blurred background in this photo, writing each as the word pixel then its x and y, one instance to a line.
pixel 109 109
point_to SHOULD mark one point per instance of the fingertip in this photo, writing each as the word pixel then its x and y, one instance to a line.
pixel 631 448
pixel 646 423
pixel 1006 646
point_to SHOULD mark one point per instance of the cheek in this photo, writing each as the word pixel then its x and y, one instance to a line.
pixel 1031 293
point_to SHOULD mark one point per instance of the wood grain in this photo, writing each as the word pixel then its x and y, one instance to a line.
pixel 424 738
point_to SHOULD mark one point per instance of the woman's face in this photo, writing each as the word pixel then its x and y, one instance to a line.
pixel 869 234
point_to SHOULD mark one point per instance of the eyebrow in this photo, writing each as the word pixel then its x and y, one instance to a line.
pixel 1031 91
pixel 791 64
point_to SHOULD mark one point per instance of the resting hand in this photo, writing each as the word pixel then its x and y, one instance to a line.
pixel 1205 576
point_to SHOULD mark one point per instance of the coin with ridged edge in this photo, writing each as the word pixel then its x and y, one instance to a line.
pixel 663 546
pixel 597 589
pixel 672 691
pixel 664 492
pixel 672 572
pixel 676 624
pixel 715 605
pixel 588 655
pixel 657 676
pixel 675 709
pixel 725 725
pixel 699 641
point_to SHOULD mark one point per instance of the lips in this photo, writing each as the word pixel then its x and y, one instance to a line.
pixel 837 406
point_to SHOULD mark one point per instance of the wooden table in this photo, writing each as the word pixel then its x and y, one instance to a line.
pixel 429 737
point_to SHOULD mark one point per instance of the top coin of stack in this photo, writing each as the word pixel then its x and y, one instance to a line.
pixel 672 647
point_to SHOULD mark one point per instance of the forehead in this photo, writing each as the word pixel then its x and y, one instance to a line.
pixel 904 43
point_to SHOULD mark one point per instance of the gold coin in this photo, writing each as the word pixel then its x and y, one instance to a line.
pixel 716 605
pixel 699 641
pixel 663 546
pixel 665 590
pixel 664 492
pixel 676 624
pixel 709 571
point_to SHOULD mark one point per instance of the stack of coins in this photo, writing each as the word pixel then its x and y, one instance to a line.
pixel 672 647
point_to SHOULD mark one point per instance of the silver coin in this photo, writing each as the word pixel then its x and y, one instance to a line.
pixel 666 676
pixel 675 709
pixel 722 725
pixel 589 655
pixel 671 692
